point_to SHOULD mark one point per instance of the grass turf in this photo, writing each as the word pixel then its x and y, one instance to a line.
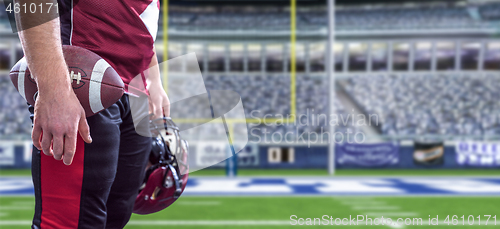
pixel 237 212
pixel 207 210
pixel 320 172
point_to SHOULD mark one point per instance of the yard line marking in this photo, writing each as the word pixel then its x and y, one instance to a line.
pixel 203 203
pixel 375 208
pixel 396 226
pixel 391 214
pixel 371 204
pixel 359 203
pixel 15 223
pixel 17 208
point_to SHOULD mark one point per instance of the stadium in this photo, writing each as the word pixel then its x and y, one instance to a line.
pixel 360 110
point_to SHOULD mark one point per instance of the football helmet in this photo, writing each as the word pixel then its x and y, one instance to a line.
pixel 167 174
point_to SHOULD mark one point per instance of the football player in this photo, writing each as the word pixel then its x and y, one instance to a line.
pixel 87 171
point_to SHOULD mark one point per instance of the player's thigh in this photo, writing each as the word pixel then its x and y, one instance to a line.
pixel 132 160
pixel 100 166
pixel 101 156
pixel 134 153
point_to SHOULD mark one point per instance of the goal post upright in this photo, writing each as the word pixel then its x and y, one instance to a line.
pixel 293 64
pixel 331 78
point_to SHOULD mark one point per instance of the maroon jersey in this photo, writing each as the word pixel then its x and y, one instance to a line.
pixel 120 31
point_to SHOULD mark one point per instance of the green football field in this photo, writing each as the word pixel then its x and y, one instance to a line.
pixel 276 211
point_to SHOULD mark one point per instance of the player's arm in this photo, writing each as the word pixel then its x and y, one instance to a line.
pixel 159 103
pixel 58 113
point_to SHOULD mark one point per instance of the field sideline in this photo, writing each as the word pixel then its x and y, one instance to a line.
pixel 275 211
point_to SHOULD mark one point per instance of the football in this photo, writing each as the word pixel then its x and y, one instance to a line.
pixel 96 84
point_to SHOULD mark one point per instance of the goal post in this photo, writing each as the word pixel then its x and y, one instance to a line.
pixel 331 77
pixel 169 73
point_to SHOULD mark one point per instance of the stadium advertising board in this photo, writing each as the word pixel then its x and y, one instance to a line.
pixel 28 150
pixel 7 157
pixel 428 153
pixel 368 155
pixel 481 154
pixel 215 153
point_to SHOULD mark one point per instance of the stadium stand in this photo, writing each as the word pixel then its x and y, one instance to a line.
pixel 384 17
pixel 420 104
pixel 15 123
pixel 490 11
pixel 411 18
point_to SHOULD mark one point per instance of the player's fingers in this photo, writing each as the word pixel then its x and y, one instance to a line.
pixel 46 143
pixel 36 134
pixel 69 148
pixel 57 146
pixel 84 130
pixel 154 110
pixel 166 109
pixel 151 106
pixel 158 112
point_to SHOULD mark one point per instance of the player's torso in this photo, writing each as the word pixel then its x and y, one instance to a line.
pixel 120 31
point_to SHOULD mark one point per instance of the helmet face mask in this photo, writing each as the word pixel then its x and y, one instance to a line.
pixel 167 175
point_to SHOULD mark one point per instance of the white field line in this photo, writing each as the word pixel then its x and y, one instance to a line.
pixel 375 208
pixel 17 208
pixel 362 203
pixel 372 204
pixel 15 223
pixel 388 214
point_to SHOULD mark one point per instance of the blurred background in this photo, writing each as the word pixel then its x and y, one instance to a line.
pixel 416 112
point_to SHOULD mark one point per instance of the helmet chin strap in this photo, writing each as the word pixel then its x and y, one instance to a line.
pixel 172 164
pixel 177 181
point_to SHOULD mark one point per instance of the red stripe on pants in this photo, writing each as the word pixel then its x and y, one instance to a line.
pixel 61 190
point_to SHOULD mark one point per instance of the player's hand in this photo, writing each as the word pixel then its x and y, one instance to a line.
pixel 58 119
pixel 159 104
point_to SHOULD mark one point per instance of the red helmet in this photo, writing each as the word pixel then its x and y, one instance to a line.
pixel 167 177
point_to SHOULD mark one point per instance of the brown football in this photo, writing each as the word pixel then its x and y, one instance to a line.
pixel 94 81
